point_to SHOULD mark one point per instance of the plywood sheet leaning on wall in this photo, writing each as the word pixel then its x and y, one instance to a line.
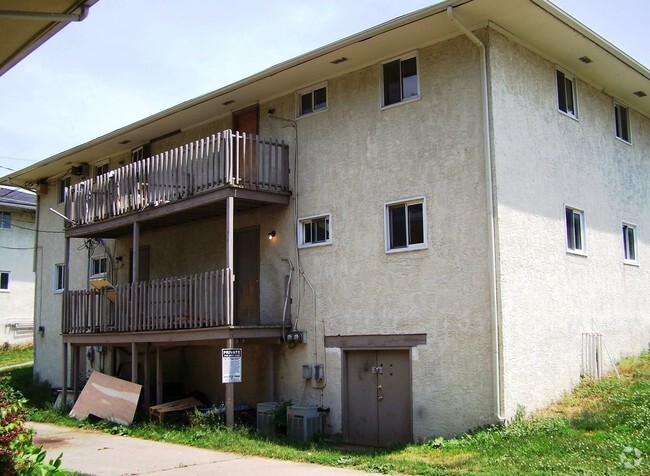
pixel 109 398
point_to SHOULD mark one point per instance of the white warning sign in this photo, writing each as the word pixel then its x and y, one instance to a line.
pixel 231 365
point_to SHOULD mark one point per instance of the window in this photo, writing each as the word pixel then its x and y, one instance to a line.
pixel 405 225
pixel 400 80
pixel 313 231
pixel 59 277
pixel 566 94
pixel 101 169
pixel 4 280
pixel 140 153
pixel 629 243
pixel 5 220
pixel 575 230
pixel 98 266
pixel 312 100
pixel 622 118
pixel 63 184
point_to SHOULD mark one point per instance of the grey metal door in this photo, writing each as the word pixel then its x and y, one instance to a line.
pixel 378 397
pixel 247 277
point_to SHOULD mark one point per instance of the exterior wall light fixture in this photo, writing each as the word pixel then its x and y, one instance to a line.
pixel 271 235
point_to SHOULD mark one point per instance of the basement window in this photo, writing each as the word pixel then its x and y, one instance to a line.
pixel 59 277
pixel 567 101
pixel 314 231
pixel 629 244
pixel 622 121
pixel 311 100
pixel 4 281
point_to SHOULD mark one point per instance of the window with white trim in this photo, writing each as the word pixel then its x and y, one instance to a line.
pixel 314 231
pixel 101 169
pixel 567 100
pixel 98 266
pixel 63 184
pixel 311 100
pixel 405 223
pixel 629 244
pixel 575 230
pixel 4 281
pixel 5 220
pixel 59 277
pixel 399 80
pixel 622 122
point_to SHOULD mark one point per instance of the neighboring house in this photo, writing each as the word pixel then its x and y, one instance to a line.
pixel 394 227
pixel 17 236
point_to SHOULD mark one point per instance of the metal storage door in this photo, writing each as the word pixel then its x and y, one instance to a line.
pixel 378 397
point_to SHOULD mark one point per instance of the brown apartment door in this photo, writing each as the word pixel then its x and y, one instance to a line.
pixel 378 397
pixel 247 120
pixel 247 277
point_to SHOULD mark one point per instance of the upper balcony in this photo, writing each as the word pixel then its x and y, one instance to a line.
pixel 185 183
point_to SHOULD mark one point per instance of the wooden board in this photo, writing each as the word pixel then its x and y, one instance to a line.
pixel 100 284
pixel 109 398
pixel 163 410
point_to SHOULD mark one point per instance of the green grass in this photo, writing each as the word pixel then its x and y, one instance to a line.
pixel 584 434
pixel 15 354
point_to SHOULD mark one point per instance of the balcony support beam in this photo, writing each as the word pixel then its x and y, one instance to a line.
pixel 230 264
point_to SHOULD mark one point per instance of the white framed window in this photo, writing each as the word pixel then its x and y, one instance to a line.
pixel 405 225
pixel 622 122
pixel 575 230
pixel 59 277
pixel 567 98
pixel 5 220
pixel 314 231
pixel 98 266
pixel 63 184
pixel 630 244
pixel 311 100
pixel 4 281
pixel 101 169
pixel 137 154
pixel 400 81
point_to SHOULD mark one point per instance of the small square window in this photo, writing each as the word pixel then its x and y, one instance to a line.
pixel 575 230
pixel 63 185
pixel 59 277
pixel 629 244
pixel 399 79
pixel 313 99
pixel 5 220
pixel 101 169
pixel 98 266
pixel 622 118
pixel 405 225
pixel 566 94
pixel 314 231
pixel 4 280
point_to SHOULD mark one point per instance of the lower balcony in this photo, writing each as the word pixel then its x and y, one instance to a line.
pixel 180 308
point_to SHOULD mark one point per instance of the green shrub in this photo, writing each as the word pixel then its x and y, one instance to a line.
pixel 18 454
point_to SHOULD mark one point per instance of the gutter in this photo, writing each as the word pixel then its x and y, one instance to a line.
pixel 490 202
pixel 45 16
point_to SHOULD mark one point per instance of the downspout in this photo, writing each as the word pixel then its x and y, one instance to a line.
pixel 490 196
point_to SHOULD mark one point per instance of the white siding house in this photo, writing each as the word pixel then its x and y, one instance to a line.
pixel 419 228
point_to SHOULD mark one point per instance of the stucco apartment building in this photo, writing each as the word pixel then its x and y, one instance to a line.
pixel 420 228
pixel 17 236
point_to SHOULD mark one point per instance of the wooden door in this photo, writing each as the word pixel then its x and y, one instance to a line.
pixel 247 121
pixel 378 397
pixel 143 264
pixel 247 277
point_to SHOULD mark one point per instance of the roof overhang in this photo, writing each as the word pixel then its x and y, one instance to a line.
pixel 27 24
pixel 536 24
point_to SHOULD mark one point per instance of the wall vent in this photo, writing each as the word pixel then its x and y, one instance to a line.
pixel 592 355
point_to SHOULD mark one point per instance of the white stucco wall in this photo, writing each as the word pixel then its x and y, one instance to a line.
pixel 545 160
pixel 16 258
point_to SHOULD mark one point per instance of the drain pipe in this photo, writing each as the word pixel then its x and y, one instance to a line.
pixel 494 303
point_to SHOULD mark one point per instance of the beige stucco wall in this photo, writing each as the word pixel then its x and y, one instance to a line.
pixel 544 161
pixel 16 258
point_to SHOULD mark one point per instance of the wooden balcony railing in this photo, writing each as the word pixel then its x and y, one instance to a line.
pixel 181 302
pixel 224 159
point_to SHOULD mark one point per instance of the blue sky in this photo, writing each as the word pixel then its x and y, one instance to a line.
pixel 132 58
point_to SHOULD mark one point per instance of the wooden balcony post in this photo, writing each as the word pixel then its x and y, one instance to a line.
pixel 230 253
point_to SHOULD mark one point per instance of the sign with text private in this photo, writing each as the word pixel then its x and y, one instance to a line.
pixel 231 365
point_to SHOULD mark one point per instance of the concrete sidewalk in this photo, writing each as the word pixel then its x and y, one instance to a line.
pixel 96 453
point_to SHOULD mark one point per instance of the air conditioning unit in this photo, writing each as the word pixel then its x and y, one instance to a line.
pixel 80 170
pixel 266 417
pixel 303 422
